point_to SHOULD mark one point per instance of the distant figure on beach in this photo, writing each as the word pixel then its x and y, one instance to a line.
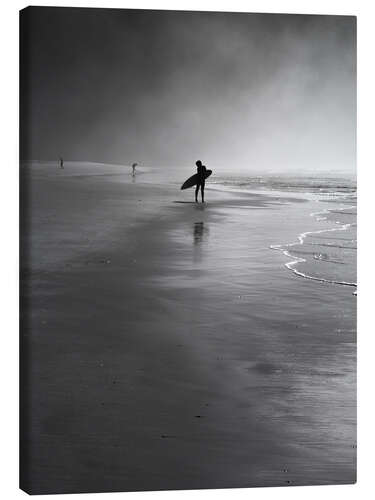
pixel 61 162
pixel 133 167
pixel 201 169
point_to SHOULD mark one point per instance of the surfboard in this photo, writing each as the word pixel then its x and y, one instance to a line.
pixel 194 179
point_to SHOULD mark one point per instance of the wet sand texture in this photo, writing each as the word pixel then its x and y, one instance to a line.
pixel 165 346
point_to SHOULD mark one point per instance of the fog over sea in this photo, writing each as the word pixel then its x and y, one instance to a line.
pixel 170 344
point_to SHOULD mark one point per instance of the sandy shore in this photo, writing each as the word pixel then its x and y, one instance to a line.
pixel 171 349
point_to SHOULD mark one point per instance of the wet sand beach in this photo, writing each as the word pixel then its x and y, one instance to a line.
pixel 170 346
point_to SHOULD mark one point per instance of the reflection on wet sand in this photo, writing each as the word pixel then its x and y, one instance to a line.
pixel 199 232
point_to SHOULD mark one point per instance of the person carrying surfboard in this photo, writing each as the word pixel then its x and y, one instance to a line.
pixel 201 170
pixel 197 180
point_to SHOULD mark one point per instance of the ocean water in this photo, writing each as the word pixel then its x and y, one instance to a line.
pixel 326 252
pixel 272 353
pixel 270 273
pixel 329 253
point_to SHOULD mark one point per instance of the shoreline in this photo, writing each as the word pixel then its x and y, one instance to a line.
pixel 173 355
pixel 302 236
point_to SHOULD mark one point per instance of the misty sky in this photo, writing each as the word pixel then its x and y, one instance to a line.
pixel 252 92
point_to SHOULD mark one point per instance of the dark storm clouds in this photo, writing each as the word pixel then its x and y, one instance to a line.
pixel 242 91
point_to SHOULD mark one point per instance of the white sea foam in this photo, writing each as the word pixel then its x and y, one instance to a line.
pixel 328 190
pixel 296 260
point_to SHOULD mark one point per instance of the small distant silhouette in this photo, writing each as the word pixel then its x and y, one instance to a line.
pixel 133 167
pixel 61 162
pixel 201 170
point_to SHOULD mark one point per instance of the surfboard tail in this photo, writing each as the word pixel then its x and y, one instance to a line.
pixel 194 179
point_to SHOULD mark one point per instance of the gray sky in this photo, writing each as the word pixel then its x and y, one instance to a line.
pixel 252 92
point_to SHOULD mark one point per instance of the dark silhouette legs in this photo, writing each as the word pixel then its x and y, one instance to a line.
pixel 197 191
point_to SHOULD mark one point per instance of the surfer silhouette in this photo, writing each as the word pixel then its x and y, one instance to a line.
pixel 201 169
pixel 133 167
pixel 198 180
pixel 61 162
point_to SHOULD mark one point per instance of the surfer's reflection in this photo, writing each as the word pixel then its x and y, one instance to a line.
pixel 199 232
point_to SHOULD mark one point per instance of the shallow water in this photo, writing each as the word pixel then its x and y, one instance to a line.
pixel 153 310
pixel 326 254
pixel 288 342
